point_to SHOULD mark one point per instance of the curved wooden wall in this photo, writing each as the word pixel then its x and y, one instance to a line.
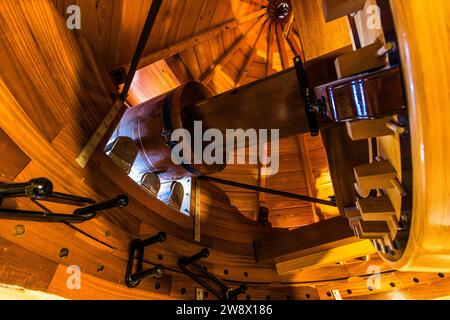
pixel 422 28
pixel 51 102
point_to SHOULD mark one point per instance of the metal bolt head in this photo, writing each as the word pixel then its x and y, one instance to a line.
pixel 159 271
pixel 19 230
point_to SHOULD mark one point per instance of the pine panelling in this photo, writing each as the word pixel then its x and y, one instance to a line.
pixel 113 27
pixel 13 160
pixel 24 268
pixel 70 85
pixel 79 103
pixel 319 37
pixel 152 81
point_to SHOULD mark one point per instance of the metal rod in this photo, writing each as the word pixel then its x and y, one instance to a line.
pixel 187 261
pixel 270 191
pixel 148 27
pixel 69 199
pixel 233 294
pixel 156 272
pixel 203 283
pixel 160 237
pixel 13 214
pixel 119 202
pixel 210 276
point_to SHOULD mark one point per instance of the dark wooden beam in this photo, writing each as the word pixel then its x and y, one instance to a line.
pixel 324 234
pixel 343 155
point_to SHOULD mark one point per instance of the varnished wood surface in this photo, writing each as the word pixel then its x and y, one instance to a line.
pixel 13 160
pixel 311 21
pixel 420 26
pixel 200 31
pixel 56 68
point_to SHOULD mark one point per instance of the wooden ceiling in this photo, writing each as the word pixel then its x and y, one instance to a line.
pixel 224 44
pixel 44 126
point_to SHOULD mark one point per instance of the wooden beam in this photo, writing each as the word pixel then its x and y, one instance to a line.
pixel 318 37
pixel 360 61
pixel 252 54
pixel 288 25
pixel 377 175
pixel 282 46
pixel 310 180
pixel 207 77
pixel 327 257
pixel 270 49
pixel 367 129
pixel 343 155
pixel 255 3
pixel 311 239
pixel 295 46
pixel 199 38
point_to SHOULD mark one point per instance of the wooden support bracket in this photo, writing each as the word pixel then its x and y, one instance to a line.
pixel 360 61
pixel 367 129
pixel 334 9
pixel 377 175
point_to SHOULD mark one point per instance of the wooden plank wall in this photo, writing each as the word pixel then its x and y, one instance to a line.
pixel 112 29
pixel 39 45
pixel 47 59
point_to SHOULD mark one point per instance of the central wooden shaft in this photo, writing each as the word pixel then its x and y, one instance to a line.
pixel 271 103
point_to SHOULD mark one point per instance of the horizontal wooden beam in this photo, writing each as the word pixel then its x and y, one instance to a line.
pixel 307 240
pixel 326 257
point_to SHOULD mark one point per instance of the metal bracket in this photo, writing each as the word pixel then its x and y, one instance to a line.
pixel 132 280
pixel 223 292
pixel 311 107
pixel 197 213
pixel 42 190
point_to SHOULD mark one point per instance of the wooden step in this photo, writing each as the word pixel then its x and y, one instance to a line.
pixel 360 61
pixel 367 129
pixel 373 229
pixel 379 209
pixel 376 209
pixel 377 175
